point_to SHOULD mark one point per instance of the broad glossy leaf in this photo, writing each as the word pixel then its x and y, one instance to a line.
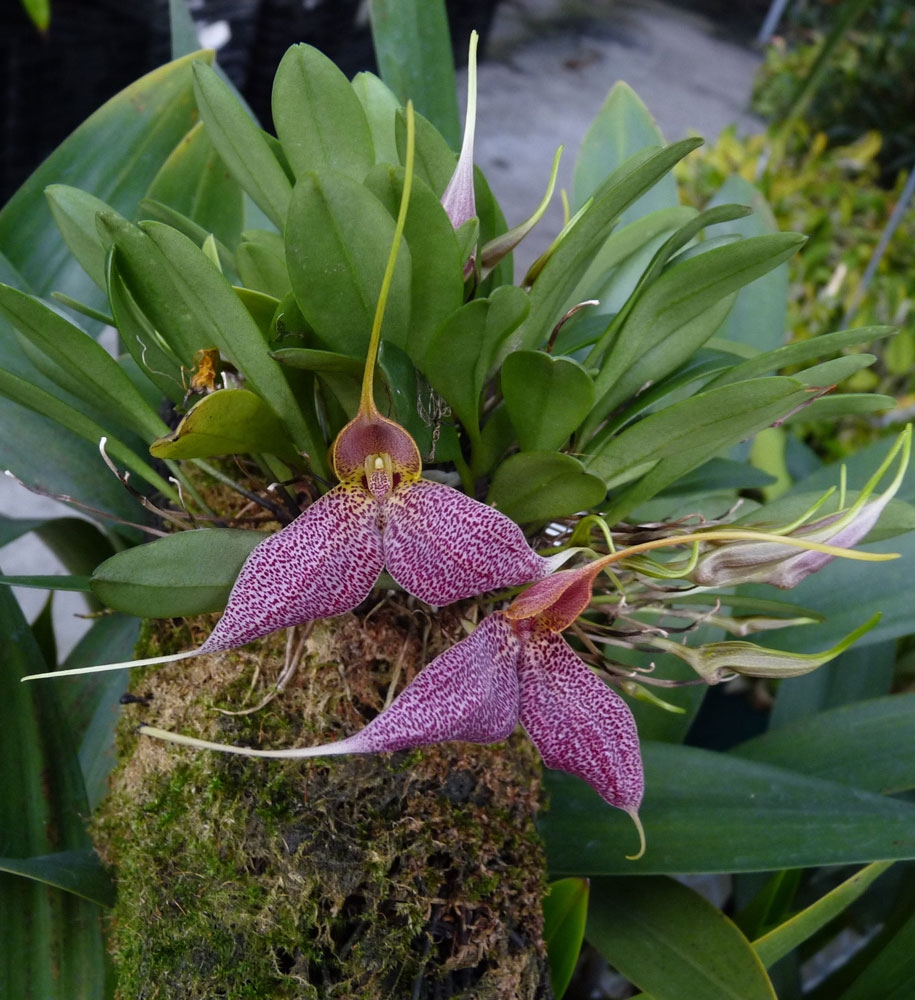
pixel 241 145
pixel 74 213
pixel 88 369
pixel 143 123
pixel 538 485
pixel 188 573
pixel 666 445
pixel 652 342
pixel 226 422
pixel 568 261
pixel 197 182
pixel 547 398
pixel 622 127
pixel 565 909
pixel 337 242
pixel 713 812
pixel 436 278
pixel 869 744
pixel 52 939
pixel 318 117
pixel 800 927
pixel 413 48
pixel 672 942
pixel 79 872
pixel 758 317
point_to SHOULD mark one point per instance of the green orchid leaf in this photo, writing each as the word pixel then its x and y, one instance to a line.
pixel 320 361
pixel 868 744
pixel 413 48
pixel 758 317
pixel 547 398
pixel 318 117
pixel 660 333
pixel 42 402
pixel 202 311
pixel 713 812
pixel 538 485
pixel 79 872
pixel 74 213
pixel 39 12
pixel 435 158
pixel 55 936
pixel 337 241
pixel 87 370
pixel 226 422
pixel 145 121
pixel 843 404
pixel 196 182
pixel 437 282
pixel 829 373
pixel 565 909
pixel 621 128
pixel 262 308
pixel 801 353
pixel 666 445
pixel 462 350
pixel 381 107
pixel 157 211
pixel 263 268
pixel 189 573
pixel 12 528
pixel 568 261
pixel 241 145
pixel 673 943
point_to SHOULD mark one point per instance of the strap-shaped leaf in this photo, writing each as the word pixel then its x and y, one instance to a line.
pixel 241 144
pixel 565 909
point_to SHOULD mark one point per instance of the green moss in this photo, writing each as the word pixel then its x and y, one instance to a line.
pixel 413 874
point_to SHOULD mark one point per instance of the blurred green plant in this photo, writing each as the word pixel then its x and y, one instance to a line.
pixel 615 385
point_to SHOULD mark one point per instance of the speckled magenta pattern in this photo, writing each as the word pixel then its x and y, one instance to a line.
pixel 468 693
pixel 578 723
pixel 442 546
pixel 324 563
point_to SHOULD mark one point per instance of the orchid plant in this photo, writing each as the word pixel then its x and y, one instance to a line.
pixel 338 301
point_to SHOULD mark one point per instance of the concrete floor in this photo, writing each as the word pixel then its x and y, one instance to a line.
pixel 549 66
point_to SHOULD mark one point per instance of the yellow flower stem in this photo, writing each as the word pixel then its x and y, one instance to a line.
pixel 367 399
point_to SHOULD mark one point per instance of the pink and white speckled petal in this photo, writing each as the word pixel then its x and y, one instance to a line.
pixel 468 693
pixel 442 546
pixel 578 723
pixel 323 564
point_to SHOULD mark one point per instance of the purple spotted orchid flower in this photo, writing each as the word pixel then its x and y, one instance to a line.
pixel 514 667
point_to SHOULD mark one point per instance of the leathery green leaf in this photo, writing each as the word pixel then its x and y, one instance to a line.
pixel 241 145
pixel 226 422
pixel 337 241
pixel 413 48
pixel 647 346
pixel 713 812
pixel 890 974
pixel 380 107
pixel 79 872
pixel 88 370
pixel 318 117
pixel 868 744
pixel 537 485
pixel 673 943
pixel 656 451
pixel 188 573
pixel 74 212
pixel 565 909
pixel 793 932
pixel 197 182
pixel 571 257
pixel 146 121
pixel 78 584
pixel 54 936
pixel 546 397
